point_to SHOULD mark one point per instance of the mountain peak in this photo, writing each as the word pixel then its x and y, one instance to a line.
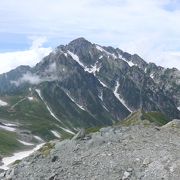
pixel 79 41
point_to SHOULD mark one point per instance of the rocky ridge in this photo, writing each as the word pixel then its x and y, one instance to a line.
pixel 141 151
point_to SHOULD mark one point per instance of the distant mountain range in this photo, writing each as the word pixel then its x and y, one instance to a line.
pixel 85 85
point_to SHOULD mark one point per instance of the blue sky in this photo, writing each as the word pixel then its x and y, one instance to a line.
pixel 29 30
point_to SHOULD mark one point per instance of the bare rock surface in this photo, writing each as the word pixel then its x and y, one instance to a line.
pixel 115 153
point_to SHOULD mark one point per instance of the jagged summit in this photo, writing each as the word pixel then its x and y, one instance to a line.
pixel 79 40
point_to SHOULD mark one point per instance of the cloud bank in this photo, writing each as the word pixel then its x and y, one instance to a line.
pixel 34 79
pixel 10 60
pixel 28 78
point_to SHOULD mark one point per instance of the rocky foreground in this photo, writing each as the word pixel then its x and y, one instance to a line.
pixel 143 152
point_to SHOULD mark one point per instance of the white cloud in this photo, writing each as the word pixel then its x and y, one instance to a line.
pixel 32 78
pixel 37 42
pixel 149 48
pixel 150 28
pixel 169 59
pixel 29 78
pixel 10 60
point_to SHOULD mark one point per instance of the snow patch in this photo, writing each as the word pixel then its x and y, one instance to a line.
pixel 76 58
pixel 118 96
pixel 18 156
pixel 81 107
pixel 178 108
pixel 145 70
pixel 3 103
pixel 100 48
pixel 38 138
pixel 67 130
pixel 65 54
pixel 56 134
pixel 130 63
pixel 93 69
pixel 52 114
pixel 100 57
pixel 105 108
pixel 103 50
pixel 31 98
pixel 48 108
pixel 26 143
pixel 152 75
pixel 10 124
pixel 101 96
pixel 114 56
pixel 104 85
pixel 8 128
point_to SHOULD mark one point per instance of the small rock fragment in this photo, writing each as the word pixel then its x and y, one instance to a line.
pixel 54 158
pixel 80 135
pixel 126 175
pixel 146 162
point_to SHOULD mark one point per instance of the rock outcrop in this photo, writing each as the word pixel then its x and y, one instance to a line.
pixel 121 152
